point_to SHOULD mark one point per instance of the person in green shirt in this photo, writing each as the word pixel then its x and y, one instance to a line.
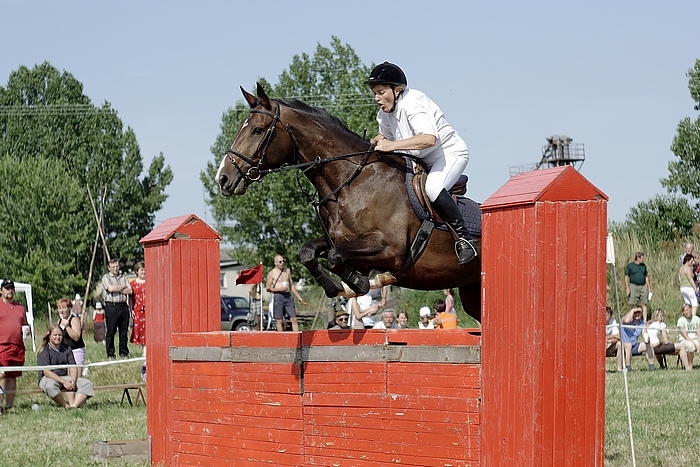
pixel 637 283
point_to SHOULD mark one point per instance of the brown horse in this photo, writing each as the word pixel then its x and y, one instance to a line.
pixel 363 204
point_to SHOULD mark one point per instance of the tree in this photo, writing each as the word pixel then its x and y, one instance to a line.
pixel 275 216
pixel 684 174
pixel 47 121
pixel 663 217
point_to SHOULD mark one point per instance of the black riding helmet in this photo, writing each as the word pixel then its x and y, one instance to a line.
pixel 387 73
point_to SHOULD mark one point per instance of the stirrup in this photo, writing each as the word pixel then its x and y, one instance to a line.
pixel 465 250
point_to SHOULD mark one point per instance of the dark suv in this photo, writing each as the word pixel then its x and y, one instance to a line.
pixel 234 314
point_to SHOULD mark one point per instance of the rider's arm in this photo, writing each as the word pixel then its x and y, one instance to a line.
pixel 417 142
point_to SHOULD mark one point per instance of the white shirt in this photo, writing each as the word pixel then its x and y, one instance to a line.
pixel 611 328
pixel 430 325
pixel 654 330
pixel 416 114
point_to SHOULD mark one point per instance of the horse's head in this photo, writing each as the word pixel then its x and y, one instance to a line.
pixel 257 147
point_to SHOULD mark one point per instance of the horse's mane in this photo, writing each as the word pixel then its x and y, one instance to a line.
pixel 319 114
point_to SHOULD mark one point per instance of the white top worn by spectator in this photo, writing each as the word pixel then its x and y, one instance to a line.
pixel 611 328
pixel 654 330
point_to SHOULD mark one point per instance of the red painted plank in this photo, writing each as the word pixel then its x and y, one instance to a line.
pixel 202 339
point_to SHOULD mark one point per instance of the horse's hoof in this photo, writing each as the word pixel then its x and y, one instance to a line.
pixel 380 279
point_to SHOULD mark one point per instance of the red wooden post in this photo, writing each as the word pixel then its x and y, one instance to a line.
pixel 543 295
pixel 182 261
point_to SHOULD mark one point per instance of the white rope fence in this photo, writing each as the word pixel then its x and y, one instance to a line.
pixel 54 367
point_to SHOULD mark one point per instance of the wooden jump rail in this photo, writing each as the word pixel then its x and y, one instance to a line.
pixel 138 387
pixel 396 397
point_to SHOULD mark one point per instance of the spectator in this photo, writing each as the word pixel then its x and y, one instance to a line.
pixel 379 295
pixel 689 288
pixel 53 351
pixel 255 303
pixel 688 336
pixel 425 321
pixel 98 323
pixel 630 337
pixel 387 321
pixel 72 330
pixel 612 336
pixel 363 311
pixel 77 308
pixel 656 327
pixel 450 301
pixel 637 283
pixel 443 319
pixel 138 311
pixel 13 327
pixel 341 321
pixel 688 251
pixel 116 291
pixel 279 282
pixel 402 319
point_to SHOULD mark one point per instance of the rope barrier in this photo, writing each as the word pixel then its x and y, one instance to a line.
pixel 54 367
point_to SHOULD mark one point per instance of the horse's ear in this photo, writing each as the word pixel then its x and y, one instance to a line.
pixel 264 100
pixel 251 99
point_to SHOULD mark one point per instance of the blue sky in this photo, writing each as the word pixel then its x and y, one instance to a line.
pixel 610 75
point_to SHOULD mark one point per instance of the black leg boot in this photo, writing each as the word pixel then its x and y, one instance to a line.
pixel 464 245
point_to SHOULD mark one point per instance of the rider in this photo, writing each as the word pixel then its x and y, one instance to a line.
pixel 411 123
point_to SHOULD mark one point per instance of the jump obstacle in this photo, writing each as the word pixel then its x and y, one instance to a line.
pixel 528 389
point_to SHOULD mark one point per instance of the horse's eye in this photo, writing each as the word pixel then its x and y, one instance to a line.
pixel 257 130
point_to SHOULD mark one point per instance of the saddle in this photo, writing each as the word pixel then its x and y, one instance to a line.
pixel 420 174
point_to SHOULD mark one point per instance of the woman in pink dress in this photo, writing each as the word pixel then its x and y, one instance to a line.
pixel 138 309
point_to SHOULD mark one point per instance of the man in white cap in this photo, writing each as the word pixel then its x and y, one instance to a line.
pixel 425 321
pixel 13 325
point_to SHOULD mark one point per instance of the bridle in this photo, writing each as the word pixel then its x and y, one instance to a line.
pixel 254 172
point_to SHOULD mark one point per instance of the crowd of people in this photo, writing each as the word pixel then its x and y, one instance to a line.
pixel 63 344
pixel 639 334
pixel 364 311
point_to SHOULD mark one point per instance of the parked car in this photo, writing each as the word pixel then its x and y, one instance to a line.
pixel 234 313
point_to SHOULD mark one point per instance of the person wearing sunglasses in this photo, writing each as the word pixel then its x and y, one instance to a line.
pixel 341 321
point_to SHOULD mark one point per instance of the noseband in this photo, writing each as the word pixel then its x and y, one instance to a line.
pixel 254 173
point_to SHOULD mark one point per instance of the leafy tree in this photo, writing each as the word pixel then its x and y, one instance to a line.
pixel 684 174
pixel 47 122
pixel 663 217
pixel 275 216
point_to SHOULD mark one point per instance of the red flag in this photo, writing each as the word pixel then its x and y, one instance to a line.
pixel 250 276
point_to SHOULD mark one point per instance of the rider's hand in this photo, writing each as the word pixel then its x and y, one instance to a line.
pixel 383 145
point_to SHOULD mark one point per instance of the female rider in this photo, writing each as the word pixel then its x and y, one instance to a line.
pixel 411 123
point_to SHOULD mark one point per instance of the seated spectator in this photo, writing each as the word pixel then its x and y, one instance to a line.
pixel 425 321
pixel 630 337
pixel 53 351
pixel 402 319
pixel 612 335
pixel 656 327
pixel 387 321
pixel 363 311
pixel 443 319
pixel 688 336
pixel 341 321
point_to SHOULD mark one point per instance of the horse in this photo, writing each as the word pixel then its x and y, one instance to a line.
pixel 363 205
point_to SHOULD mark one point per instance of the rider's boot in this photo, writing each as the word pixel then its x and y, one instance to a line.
pixel 465 247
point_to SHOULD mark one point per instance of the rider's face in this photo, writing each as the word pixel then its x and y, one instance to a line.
pixel 383 96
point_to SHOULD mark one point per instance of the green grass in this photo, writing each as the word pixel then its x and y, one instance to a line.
pixel 52 436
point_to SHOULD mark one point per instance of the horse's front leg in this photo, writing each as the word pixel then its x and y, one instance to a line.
pixel 370 251
pixel 309 254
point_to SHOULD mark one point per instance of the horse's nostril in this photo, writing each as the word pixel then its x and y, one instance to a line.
pixel 222 180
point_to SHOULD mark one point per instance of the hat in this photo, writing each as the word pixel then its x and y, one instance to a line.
pixel 341 313
pixel 425 311
pixel 98 306
pixel 8 284
pixel 77 296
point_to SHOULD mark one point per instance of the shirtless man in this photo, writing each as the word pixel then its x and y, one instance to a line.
pixel 279 282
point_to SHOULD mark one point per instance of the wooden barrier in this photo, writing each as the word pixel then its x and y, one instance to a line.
pixel 412 398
